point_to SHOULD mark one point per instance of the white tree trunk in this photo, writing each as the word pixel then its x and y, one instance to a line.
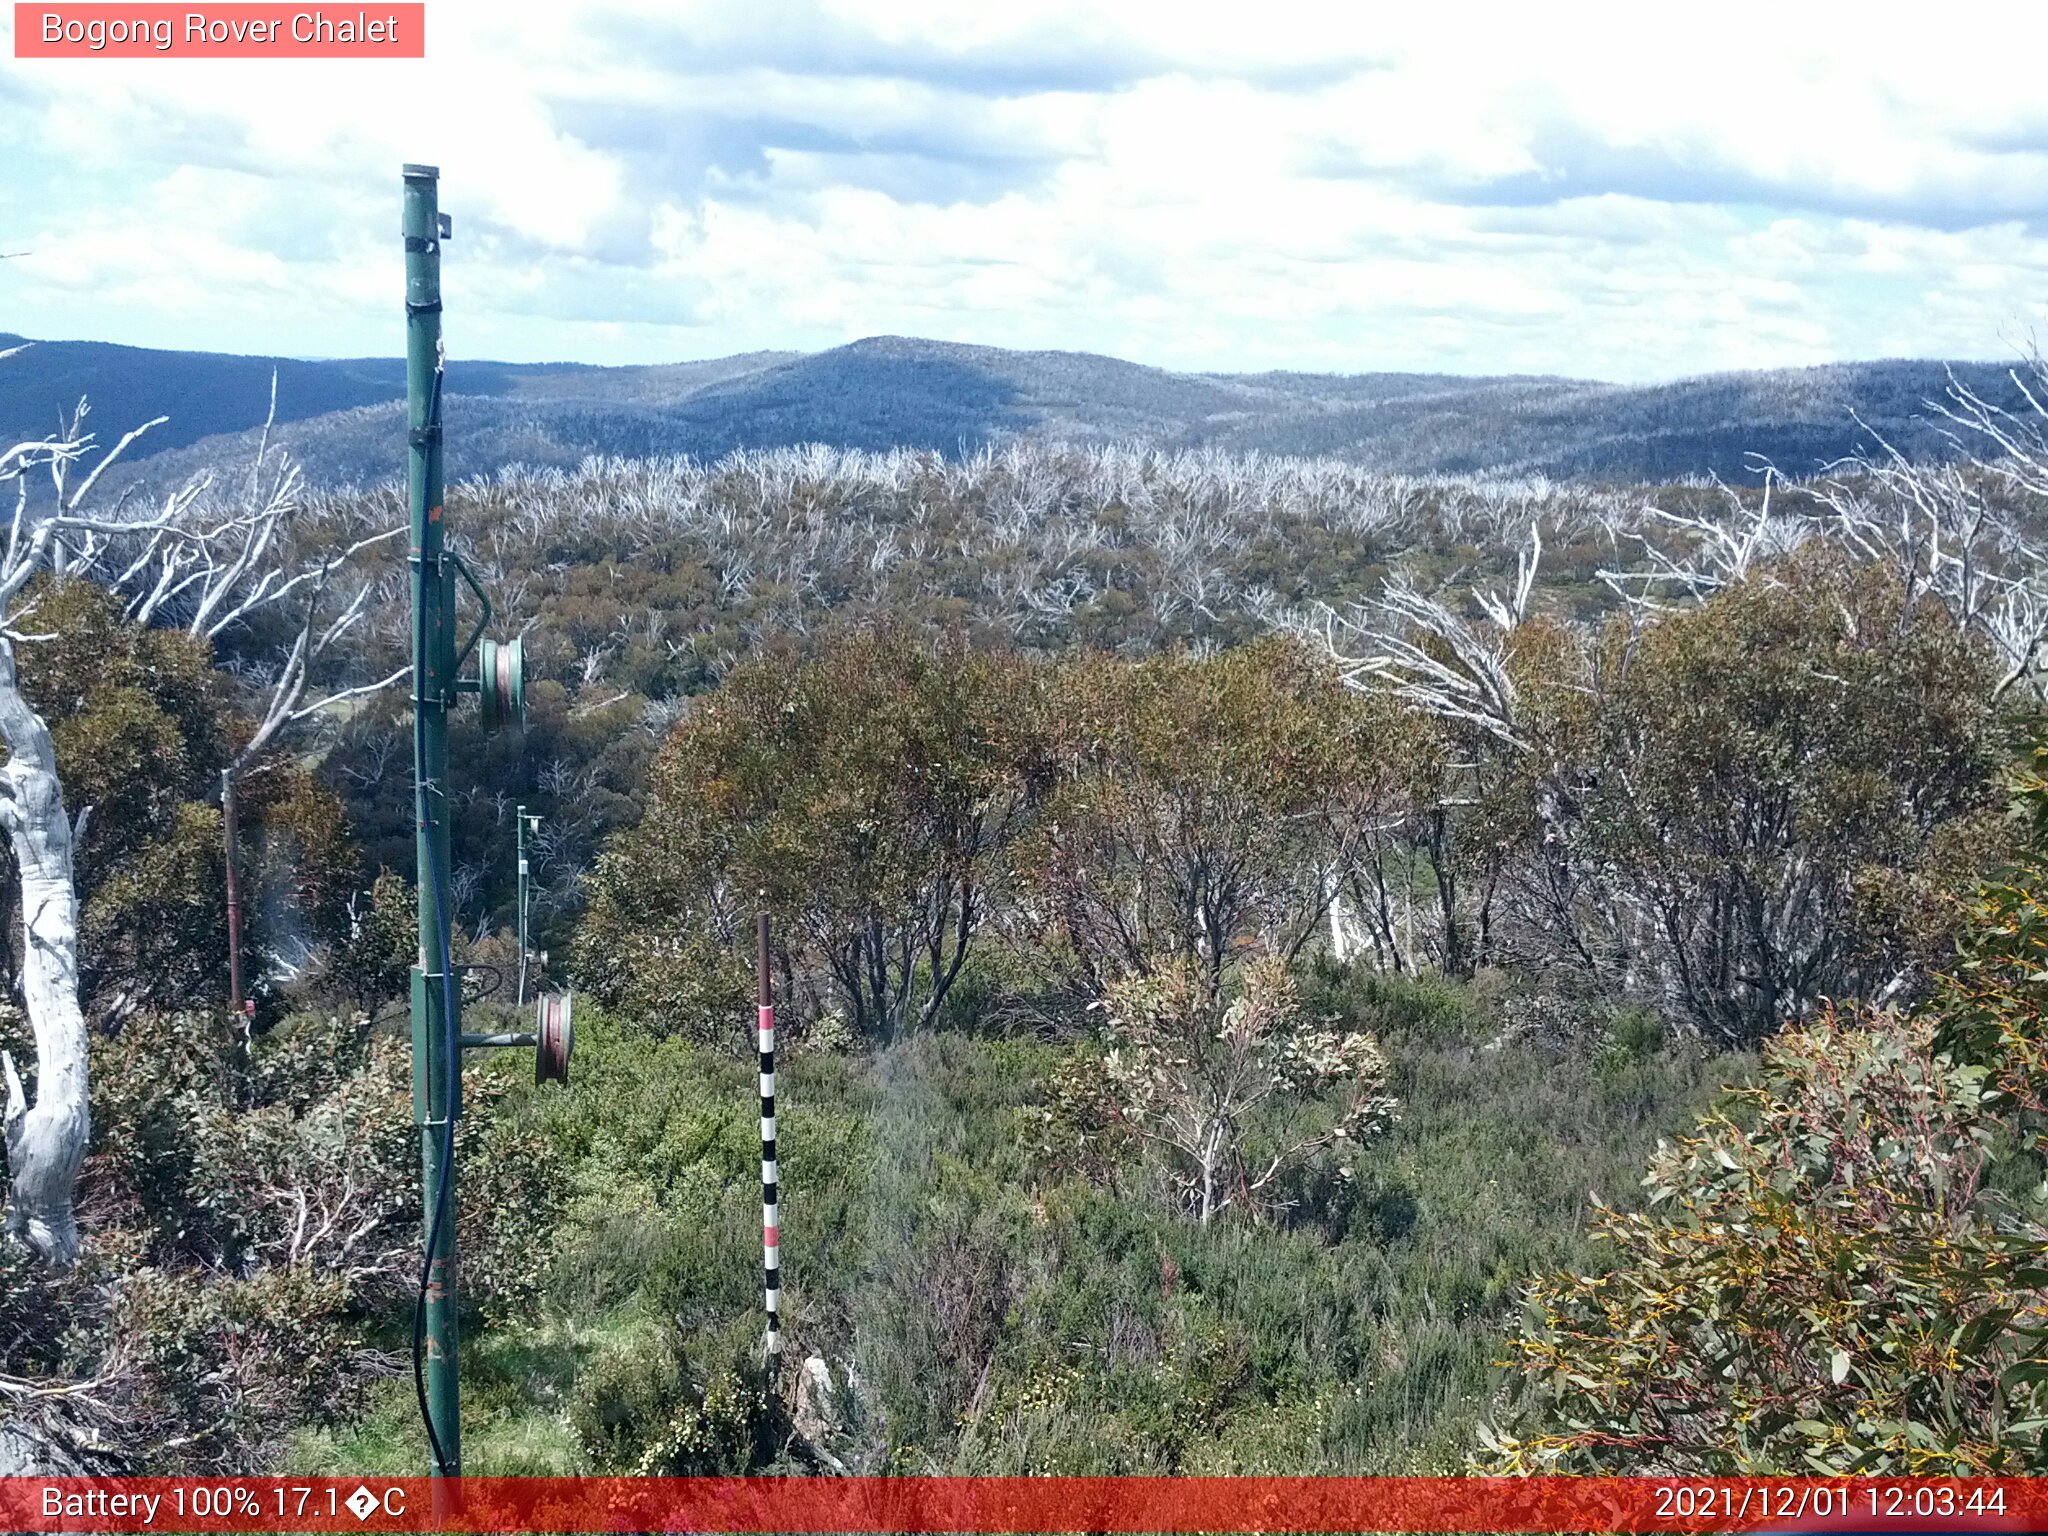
pixel 1340 949
pixel 45 1143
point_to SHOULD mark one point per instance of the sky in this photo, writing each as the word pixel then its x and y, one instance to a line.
pixel 1625 192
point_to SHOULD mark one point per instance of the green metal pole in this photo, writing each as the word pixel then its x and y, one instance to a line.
pixel 437 1094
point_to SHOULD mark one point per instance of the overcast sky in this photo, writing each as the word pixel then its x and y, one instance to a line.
pixel 1633 192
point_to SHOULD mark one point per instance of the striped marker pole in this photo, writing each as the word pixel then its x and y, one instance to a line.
pixel 770 1217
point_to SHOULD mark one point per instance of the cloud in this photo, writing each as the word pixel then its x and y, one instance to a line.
pixel 1595 190
pixel 1002 52
pixel 1939 187
pixel 760 151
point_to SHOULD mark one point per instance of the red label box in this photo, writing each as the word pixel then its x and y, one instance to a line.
pixel 1644 1506
pixel 230 31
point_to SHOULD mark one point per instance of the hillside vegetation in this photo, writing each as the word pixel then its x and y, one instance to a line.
pixel 341 419
pixel 1244 927
pixel 984 1307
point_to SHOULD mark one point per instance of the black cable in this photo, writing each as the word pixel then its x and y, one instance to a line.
pixel 444 1185
pixel 443 959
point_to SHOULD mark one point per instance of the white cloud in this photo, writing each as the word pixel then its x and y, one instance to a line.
pixel 1589 189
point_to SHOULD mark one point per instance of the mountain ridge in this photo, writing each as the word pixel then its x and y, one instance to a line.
pixel 342 417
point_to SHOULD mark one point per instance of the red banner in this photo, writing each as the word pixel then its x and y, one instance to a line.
pixel 992 1504
pixel 229 31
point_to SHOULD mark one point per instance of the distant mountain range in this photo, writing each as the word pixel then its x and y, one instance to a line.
pixel 343 419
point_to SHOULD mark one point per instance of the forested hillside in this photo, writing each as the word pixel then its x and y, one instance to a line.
pixel 341 419
pixel 1245 926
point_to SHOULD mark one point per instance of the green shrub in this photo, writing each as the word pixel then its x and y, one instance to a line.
pixel 1227 1084
pixel 1824 1286
pixel 218 1373
pixel 372 965
pixel 987 1308
pixel 255 1231
pixel 671 985
pixel 625 1398
pixel 643 1407
pixel 1844 1277
pixel 1634 1035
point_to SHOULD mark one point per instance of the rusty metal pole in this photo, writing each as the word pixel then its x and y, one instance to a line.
pixel 228 832
pixel 524 902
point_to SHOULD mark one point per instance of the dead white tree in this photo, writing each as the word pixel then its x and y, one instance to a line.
pixel 1693 556
pixel 1453 670
pixel 1958 532
pixel 179 555
pixel 249 561
pixel 1423 652
pixel 1954 532
pixel 284 706
pixel 46 1140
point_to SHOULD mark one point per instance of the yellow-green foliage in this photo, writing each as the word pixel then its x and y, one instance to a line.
pixel 1834 1276
pixel 142 724
pixel 862 795
pixel 1232 1091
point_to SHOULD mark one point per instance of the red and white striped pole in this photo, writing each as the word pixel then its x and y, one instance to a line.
pixel 770 1216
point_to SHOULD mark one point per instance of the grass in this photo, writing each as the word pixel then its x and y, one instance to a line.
pixel 1000 1317
pixel 515 1381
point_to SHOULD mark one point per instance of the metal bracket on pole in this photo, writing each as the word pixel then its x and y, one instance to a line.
pixel 483 619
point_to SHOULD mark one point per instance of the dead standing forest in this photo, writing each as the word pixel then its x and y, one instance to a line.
pixel 1289 968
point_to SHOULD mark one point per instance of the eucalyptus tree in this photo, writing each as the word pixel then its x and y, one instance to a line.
pixel 1195 806
pixel 1787 775
pixel 1737 795
pixel 1479 692
pixel 866 796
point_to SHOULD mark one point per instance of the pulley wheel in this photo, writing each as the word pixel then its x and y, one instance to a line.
pixel 501 683
pixel 554 1037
